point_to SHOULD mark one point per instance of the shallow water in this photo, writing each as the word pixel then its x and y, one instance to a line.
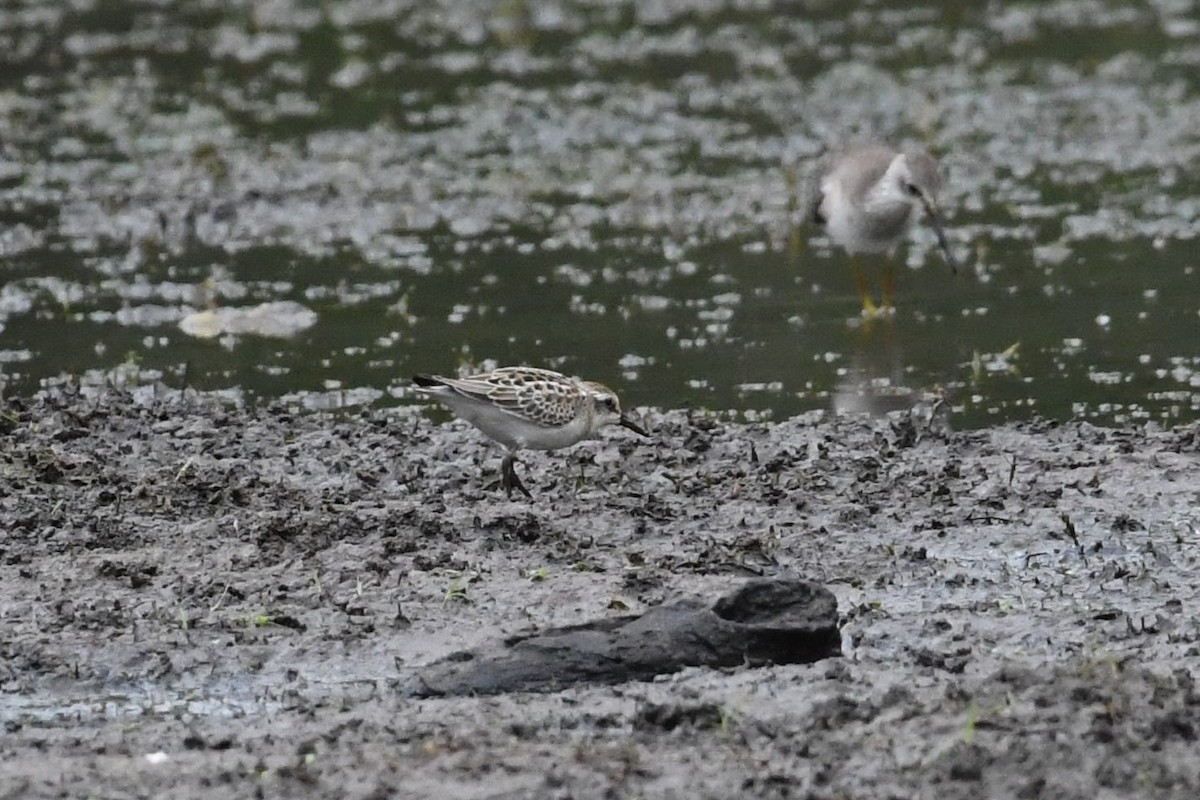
pixel 610 189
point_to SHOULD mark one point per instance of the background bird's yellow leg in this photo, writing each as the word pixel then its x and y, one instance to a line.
pixel 864 291
pixel 889 287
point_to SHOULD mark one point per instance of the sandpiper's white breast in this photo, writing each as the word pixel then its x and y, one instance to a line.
pixel 864 208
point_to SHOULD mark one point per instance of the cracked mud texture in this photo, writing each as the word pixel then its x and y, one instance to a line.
pixel 202 600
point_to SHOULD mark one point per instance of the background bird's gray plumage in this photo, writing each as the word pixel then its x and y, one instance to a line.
pixel 859 175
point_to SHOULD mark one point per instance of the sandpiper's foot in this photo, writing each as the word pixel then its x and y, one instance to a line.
pixel 869 309
pixel 884 311
pixel 509 478
pixel 870 314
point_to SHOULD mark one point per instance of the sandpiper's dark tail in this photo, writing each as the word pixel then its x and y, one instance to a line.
pixel 427 380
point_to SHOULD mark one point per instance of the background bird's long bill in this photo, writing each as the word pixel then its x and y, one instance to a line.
pixel 935 220
pixel 626 422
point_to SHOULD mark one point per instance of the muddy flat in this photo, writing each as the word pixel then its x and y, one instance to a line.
pixel 204 600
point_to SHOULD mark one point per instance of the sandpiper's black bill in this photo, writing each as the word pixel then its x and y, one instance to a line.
pixel 626 422
pixel 935 220
pixel 426 381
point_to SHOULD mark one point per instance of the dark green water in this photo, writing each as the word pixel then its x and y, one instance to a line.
pixel 609 189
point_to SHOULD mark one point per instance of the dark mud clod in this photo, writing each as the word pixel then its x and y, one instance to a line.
pixel 762 622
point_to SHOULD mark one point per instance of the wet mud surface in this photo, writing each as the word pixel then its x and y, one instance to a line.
pixel 201 600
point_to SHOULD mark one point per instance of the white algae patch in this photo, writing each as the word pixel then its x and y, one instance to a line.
pixel 279 319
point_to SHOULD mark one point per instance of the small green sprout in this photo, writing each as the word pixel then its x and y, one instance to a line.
pixel 456 591
pixel 972 718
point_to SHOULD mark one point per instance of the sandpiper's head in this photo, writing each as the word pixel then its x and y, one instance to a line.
pixel 606 409
pixel 914 177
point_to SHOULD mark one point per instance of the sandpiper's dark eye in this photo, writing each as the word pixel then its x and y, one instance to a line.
pixel 610 403
pixel 912 189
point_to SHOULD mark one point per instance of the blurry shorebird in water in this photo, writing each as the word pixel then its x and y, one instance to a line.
pixel 867 202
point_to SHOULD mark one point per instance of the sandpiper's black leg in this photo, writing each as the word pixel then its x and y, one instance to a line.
pixel 509 478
